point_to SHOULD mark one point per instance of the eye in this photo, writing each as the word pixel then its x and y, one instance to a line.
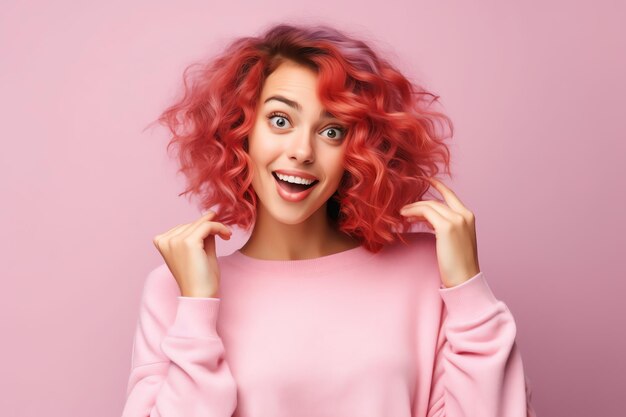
pixel 279 116
pixel 341 130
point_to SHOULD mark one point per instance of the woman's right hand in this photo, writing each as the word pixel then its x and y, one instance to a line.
pixel 189 252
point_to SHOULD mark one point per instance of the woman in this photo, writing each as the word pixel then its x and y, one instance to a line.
pixel 331 308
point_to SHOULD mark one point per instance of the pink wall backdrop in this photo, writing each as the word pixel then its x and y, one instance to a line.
pixel 536 91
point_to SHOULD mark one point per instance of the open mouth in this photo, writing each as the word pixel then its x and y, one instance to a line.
pixel 291 187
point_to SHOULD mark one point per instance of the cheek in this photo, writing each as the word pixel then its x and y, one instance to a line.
pixel 263 146
pixel 339 167
pixel 258 151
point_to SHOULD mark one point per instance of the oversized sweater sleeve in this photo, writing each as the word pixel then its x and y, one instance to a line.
pixel 178 368
pixel 478 370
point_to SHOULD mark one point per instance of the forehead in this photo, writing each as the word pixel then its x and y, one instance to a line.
pixel 293 85
pixel 291 79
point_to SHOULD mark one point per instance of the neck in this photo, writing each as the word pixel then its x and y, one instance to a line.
pixel 312 238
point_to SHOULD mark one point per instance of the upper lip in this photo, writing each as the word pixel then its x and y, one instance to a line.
pixel 296 173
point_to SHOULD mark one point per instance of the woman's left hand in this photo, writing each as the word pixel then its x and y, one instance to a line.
pixel 454 227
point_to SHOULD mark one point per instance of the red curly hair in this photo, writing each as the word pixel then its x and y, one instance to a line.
pixel 392 143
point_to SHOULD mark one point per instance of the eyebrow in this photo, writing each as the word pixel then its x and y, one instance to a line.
pixel 296 105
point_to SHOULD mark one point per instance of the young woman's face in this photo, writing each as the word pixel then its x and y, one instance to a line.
pixel 292 134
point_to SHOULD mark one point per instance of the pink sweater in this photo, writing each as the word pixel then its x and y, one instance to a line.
pixel 353 334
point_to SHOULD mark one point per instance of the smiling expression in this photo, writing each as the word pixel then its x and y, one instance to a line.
pixel 295 134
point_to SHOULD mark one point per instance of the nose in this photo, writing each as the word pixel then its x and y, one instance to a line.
pixel 301 149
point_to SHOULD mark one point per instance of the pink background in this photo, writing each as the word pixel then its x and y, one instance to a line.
pixel 536 91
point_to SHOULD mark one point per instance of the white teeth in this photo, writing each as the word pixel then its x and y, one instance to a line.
pixel 295 180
